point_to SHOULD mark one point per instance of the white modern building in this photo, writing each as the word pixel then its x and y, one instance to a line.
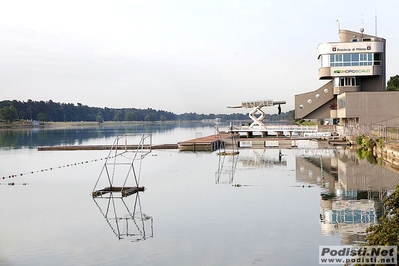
pixel 355 68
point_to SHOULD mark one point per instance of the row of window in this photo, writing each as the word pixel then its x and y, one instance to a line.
pixel 334 60
pixel 346 81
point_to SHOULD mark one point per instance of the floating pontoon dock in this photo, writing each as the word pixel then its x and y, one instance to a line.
pixel 208 143
pixel 105 147
pixel 282 136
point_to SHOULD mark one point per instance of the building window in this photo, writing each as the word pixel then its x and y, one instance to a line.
pixel 346 81
pixel 325 60
pixel 336 82
pixel 341 103
pixel 355 59
pixel 347 59
pixel 336 60
pixel 353 81
pixel 377 59
pixel 363 59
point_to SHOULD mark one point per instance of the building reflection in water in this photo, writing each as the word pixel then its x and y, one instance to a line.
pixel 125 217
pixel 260 159
pixel 353 190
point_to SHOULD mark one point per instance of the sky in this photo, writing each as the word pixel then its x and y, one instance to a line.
pixel 178 56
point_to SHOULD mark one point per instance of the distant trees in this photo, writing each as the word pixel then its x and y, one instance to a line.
pixel 99 118
pixel 150 117
pixel 42 117
pixel 53 111
pixel 119 116
pixel 130 116
pixel 393 83
pixel 8 113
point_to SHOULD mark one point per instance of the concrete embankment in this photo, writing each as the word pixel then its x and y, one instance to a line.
pixel 389 153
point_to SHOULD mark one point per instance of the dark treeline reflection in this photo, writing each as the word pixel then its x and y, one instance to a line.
pixel 51 137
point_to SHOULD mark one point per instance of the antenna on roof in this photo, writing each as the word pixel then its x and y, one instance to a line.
pixel 375 26
pixel 338 26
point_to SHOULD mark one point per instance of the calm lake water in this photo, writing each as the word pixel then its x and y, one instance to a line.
pixel 262 207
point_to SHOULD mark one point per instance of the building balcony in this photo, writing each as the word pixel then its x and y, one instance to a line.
pixel 325 73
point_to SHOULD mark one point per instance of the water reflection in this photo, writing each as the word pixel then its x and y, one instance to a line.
pixel 251 158
pixel 31 138
pixel 226 169
pixel 353 191
pixel 125 217
pixel 259 158
pixel 349 216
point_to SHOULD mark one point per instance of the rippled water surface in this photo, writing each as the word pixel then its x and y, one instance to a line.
pixel 262 207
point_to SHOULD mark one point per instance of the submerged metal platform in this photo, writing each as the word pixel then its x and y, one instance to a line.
pixel 125 191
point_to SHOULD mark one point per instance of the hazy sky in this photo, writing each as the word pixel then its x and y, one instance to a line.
pixel 179 56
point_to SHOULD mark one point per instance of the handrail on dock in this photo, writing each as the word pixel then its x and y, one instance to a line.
pixel 293 128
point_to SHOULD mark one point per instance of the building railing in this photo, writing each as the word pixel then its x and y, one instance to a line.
pixel 373 130
pixel 287 128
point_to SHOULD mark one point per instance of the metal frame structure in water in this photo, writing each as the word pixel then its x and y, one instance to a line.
pixel 121 159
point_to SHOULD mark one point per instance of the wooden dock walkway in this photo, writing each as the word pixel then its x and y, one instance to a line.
pixel 105 147
pixel 208 143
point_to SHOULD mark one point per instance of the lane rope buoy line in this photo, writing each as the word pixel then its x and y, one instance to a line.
pixel 13 184
pixel 53 168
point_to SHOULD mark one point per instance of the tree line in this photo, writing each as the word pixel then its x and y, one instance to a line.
pixel 45 111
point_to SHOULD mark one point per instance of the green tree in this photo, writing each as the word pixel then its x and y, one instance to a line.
pixel 386 233
pixel 8 114
pixel 119 116
pixel 393 83
pixel 42 117
pixel 150 117
pixel 359 140
pixel 99 118
pixel 130 116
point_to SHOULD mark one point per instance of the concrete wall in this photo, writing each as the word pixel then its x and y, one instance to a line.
pixel 371 107
pixel 320 103
pixel 348 35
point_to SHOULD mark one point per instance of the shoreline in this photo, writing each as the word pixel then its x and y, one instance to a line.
pixel 67 125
